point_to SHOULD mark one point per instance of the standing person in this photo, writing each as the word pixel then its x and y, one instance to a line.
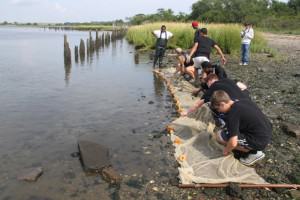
pixel 247 34
pixel 248 129
pixel 202 49
pixel 195 26
pixel 162 36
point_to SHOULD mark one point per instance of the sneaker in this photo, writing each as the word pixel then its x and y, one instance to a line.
pixel 245 64
pixel 241 63
pixel 252 158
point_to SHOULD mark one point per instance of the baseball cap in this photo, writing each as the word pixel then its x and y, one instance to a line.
pixel 195 24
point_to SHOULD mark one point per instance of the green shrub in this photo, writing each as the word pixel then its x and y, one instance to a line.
pixel 227 36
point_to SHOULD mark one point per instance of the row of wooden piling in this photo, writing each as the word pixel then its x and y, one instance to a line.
pixel 91 46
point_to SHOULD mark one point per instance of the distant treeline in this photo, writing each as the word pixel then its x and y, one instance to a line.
pixel 270 14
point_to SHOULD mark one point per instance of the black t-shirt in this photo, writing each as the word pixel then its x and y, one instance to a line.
pixel 197 34
pixel 204 46
pixel 229 86
pixel 244 117
pixel 220 71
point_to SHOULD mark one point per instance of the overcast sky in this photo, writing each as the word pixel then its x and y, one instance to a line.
pixel 84 10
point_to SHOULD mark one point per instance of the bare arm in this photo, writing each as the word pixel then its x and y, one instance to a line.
pixel 221 54
pixel 231 144
pixel 193 50
pixel 197 105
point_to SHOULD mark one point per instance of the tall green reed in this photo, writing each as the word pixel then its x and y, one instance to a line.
pixel 227 36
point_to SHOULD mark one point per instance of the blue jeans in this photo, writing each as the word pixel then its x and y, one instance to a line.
pixel 245 49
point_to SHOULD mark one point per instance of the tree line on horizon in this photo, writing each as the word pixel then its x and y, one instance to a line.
pixel 271 14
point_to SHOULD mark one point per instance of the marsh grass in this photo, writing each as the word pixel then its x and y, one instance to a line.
pixel 227 36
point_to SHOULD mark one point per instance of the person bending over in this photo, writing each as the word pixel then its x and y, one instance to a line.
pixel 209 68
pixel 214 83
pixel 183 66
pixel 202 49
pixel 248 129
pixel 162 36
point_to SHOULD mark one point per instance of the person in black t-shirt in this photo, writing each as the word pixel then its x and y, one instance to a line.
pixel 214 84
pixel 202 49
pixel 248 129
pixel 208 68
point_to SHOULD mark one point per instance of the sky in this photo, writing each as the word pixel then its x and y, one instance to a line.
pixel 84 10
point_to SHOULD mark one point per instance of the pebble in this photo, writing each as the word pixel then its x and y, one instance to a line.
pixel 31 175
pixel 152 181
pixel 155 189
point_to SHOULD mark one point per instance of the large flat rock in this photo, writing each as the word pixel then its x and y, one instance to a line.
pixel 94 156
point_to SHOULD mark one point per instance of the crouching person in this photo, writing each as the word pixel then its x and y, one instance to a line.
pixel 248 129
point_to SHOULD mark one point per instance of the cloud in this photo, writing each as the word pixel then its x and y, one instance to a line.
pixel 59 8
pixel 26 2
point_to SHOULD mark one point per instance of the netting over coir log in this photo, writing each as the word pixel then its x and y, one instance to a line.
pixel 196 150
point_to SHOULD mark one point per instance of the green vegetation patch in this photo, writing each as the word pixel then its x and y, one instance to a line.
pixel 227 36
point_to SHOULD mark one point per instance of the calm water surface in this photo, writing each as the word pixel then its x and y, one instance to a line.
pixel 45 108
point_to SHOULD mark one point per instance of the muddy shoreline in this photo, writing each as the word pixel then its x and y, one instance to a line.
pixel 274 86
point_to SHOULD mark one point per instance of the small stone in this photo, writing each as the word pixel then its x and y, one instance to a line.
pixel 155 189
pixel 151 102
pixel 261 69
pixel 111 175
pixel 295 194
pixel 31 174
pixel 297 75
pixel 233 189
pixel 291 129
pixel 147 152
pixel 152 181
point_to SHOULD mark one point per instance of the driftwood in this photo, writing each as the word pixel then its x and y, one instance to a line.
pixel 242 185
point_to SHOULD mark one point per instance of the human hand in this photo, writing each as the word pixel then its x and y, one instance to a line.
pixel 225 152
pixel 224 61
pixel 183 113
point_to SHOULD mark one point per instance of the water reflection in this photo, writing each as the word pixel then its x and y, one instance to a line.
pixel 136 58
pixel 159 86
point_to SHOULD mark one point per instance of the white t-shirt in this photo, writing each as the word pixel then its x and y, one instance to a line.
pixel 163 35
pixel 248 35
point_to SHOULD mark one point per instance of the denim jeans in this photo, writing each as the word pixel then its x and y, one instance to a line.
pixel 245 49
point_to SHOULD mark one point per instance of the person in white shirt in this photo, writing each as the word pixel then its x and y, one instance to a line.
pixel 247 34
pixel 162 36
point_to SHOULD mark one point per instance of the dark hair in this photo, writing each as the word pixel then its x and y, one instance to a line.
pixel 204 31
pixel 163 26
pixel 206 65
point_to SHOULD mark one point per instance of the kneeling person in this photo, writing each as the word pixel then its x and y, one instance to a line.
pixel 248 129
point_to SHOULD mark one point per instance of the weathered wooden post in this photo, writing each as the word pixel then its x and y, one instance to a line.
pixel 67 59
pixel 76 54
pixel 82 50
pixel 92 43
pixel 67 51
pixel 87 48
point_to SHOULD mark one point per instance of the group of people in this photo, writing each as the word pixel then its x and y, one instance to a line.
pixel 244 129
pixel 200 53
